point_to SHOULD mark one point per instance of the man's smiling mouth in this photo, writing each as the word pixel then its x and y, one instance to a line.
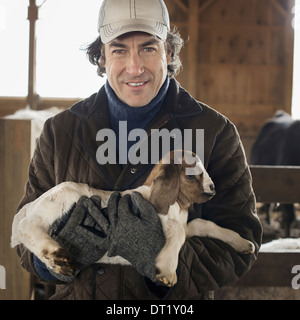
pixel 136 84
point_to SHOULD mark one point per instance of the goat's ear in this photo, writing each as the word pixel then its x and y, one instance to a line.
pixel 165 187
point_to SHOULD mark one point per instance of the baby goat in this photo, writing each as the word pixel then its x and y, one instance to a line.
pixel 170 190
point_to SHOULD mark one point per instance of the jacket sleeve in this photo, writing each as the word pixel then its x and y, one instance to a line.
pixel 208 264
pixel 41 178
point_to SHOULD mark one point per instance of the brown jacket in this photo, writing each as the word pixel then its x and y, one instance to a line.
pixel 66 151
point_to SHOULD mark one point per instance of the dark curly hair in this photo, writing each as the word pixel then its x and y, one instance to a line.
pixel 173 44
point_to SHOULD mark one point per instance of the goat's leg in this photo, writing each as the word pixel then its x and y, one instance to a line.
pixel 31 224
pixel 167 259
pixel 48 250
pixel 204 228
pixel 56 258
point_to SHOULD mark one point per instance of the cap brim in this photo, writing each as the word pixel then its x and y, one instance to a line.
pixel 112 31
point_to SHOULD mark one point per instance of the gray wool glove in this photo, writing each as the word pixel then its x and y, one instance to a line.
pixel 136 232
pixel 83 232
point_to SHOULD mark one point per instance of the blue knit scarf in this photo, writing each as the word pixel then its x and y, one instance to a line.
pixel 137 118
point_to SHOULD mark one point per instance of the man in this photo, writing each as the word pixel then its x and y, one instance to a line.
pixel 140 56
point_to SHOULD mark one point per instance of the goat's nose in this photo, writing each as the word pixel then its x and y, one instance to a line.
pixel 212 187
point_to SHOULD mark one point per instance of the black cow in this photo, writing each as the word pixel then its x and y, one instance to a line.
pixel 278 143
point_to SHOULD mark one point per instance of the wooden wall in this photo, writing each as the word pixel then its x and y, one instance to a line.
pixel 239 57
pixel 17 142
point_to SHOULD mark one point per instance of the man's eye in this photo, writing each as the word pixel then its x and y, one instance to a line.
pixel 149 49
pixel 119 51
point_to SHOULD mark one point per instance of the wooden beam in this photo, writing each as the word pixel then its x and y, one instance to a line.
pixel 279 8
pixel 289 39
pixel 32 17
pixel 206 5
pixel 182 6
pixel 272 269
pixel 193 47
pixel 276 183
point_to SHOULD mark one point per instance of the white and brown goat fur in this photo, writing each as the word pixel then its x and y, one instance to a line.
pixel 170 190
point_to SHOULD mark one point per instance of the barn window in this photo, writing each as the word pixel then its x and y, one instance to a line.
pixel 63 29
pixel 14 33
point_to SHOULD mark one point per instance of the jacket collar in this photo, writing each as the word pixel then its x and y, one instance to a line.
pixel 178 103
pixel 87 107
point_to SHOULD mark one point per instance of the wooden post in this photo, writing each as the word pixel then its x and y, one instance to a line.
pixel 32 17
pixel 193 23
pixel 16 143
pixel 289 52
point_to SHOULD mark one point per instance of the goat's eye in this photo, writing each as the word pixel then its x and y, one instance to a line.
pixel 191 177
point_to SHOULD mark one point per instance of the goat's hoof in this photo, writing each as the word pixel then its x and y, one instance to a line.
pixel 168 281
pixel 59 261
pixel 251 248
pixel 247 248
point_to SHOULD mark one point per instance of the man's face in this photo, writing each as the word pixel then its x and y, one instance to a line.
pixel 136 67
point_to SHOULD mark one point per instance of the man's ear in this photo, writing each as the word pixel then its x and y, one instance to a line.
pixel 102 61
pixel 169 57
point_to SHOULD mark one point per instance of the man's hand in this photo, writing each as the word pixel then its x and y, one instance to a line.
pixel 83 232
pixel 136 232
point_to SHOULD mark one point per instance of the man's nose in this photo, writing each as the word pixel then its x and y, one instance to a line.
pixel 135 65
